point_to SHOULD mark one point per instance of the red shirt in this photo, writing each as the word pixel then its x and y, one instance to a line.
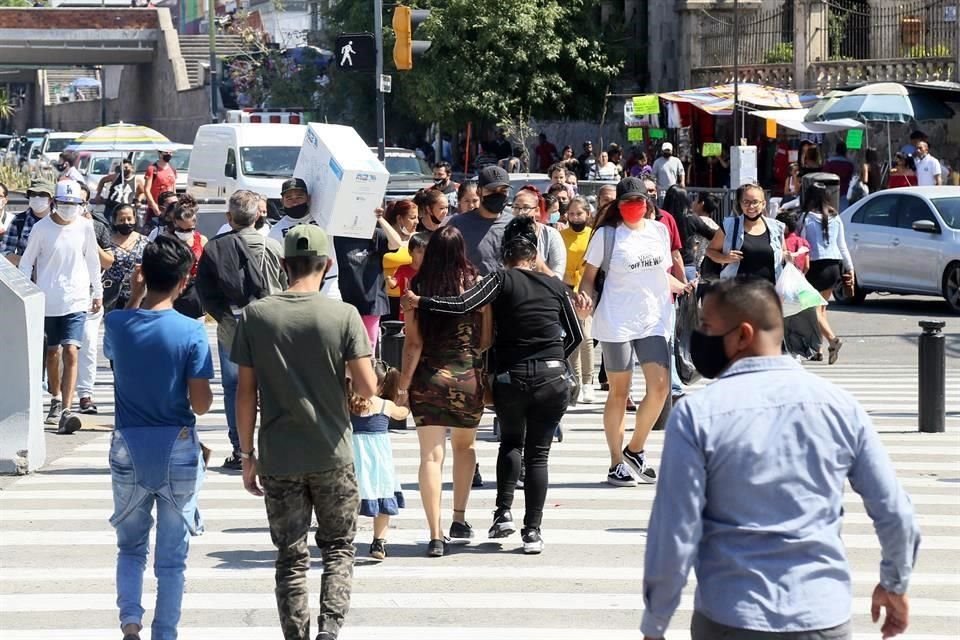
pixel 794 244
pixel 546 153
pixel 667 220
pixel 163 179
pixel 900 180
pixel 403 276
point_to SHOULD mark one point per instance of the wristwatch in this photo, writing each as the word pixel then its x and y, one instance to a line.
pixel 247 455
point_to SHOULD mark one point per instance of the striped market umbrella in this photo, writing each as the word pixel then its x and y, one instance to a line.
pixel 121 137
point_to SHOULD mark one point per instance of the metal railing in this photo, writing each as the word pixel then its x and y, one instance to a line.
pixel 765 38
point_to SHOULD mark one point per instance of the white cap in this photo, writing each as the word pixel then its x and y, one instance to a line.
pixel 666 146
pixel 69 192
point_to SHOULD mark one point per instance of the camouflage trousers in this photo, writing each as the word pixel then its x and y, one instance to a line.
pixel 291 501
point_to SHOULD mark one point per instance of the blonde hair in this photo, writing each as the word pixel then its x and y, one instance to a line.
pixel 388 382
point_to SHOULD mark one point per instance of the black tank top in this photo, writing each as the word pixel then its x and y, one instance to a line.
pixel 122 191
pixel 757 257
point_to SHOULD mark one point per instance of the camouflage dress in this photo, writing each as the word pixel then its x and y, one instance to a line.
pixel 447 387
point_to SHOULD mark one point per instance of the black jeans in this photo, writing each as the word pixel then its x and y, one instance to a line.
pixel 530 400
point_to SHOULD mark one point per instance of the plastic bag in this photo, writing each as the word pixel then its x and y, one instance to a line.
pixel 795 292
pixel 688 319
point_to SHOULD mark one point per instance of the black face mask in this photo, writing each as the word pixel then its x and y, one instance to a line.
pixel 708 354
pixel 494 202
pixel 753 218
pixel 578 226
pixel 166 157
pixel 437 221
pixel 563 207
pixel 440 182
pixel 261 220
pixel 298 211
pixel 123 229
pixel 60 166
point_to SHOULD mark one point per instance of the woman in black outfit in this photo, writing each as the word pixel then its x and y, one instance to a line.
pixel 536 331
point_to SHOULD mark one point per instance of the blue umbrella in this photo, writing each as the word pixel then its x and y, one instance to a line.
pixel 81 83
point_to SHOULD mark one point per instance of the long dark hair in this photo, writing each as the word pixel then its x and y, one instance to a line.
pixel 676 202
pixel 445 272
pixel 818 199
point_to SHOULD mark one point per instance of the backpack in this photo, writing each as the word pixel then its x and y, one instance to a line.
pixel 600 280
pixel 241 275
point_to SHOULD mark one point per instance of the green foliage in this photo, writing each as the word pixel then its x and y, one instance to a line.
pixel 15 3
pixel 836 30
pixel 13 178
pixel 7 109
pixel 780 54
pixel 919 51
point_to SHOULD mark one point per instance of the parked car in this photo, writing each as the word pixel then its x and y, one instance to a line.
pixel 409 172
pixel 94 165
pixel 905 241
pixel 53 144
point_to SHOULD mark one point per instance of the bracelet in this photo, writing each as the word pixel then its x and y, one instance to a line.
pixel 247 455
pixel 399 391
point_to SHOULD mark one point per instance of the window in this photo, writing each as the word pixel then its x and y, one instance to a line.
pixel 268 162
pixel 880 212
pixel 949 209
pixel 912 209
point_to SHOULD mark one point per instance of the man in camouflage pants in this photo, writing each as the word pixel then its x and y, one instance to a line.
pixel 293 349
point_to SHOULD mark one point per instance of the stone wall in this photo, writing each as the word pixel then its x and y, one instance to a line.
pixel 71 19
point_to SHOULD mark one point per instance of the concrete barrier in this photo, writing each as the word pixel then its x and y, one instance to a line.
pixel 22 445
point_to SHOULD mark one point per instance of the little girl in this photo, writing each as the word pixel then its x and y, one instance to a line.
pixel 380 495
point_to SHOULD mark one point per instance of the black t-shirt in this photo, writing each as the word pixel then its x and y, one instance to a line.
pixel 360 264
pixel 757 257
pixel 587 163
pixel 690 225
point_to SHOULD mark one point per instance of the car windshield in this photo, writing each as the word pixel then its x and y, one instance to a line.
pixel 103 166
pixel 56 145
pixel 269 162
pixel 407 166
pixel 949 209
pixel 181 160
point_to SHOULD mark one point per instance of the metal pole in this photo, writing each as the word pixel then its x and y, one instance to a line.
pixel 736 71
pixel 103 101
pixel 381 117
pixel 214 76
pixel 933 377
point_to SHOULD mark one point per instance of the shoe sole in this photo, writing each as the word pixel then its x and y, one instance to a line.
pixel 378 556
pixel 834 353
pixel 502 530
pixel 88 412
pixel 644 479
pixel 72 425
pixel 621 483
pixel 460 539
pixel 533 548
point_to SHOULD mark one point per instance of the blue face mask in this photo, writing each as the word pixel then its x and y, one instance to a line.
pixel 554 217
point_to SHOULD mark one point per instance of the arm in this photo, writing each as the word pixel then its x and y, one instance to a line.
pixel 715 250
pixel 558 253
pixel 484 292
pixel 864 173
pixel 246 422
pixel 98 197
pixel 682 178
pixel 211 294
pixel 92 258
pixel 678 271
pixel 394 241
pixel 148 185
pixel 28 260
pixel 138 288
pixel 395 412
pixel 201 396
pixel 412 348
pixel 363 378
pixel 844 251
pixel 675 523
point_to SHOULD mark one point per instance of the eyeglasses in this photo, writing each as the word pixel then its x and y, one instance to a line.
pixel 525 209
pixel 752 203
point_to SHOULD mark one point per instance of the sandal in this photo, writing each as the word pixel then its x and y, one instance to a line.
pixel 834 350
pixel 378 549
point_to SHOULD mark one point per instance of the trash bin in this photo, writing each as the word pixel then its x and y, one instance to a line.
pixel 830 180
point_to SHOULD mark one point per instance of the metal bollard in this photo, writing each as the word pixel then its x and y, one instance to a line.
pixel 933 373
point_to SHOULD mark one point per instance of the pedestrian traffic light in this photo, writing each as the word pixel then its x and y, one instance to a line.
pixel 405 22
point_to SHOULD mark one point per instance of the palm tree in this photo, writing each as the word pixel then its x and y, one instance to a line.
pixel 6 105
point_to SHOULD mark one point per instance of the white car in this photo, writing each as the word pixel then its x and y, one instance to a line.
pixel 906 241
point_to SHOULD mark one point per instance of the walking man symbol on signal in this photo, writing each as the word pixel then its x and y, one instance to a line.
pixel 346 54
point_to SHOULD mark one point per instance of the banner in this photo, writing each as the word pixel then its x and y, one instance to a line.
pixel 646 105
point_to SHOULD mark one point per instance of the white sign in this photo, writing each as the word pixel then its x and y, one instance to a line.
pixel 386 83
pixel 345 180
pixel 743 166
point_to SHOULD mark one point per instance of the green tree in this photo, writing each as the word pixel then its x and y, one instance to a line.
pixel 15 3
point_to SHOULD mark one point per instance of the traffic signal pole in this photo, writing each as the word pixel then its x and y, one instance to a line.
pixel 377 79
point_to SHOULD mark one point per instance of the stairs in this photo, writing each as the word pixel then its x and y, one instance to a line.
pixel 58 85
pixel 195 50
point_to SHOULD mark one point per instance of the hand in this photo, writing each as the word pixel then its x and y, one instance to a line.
pixel 789 256
pixel 733 256
pixel 848 278
pixel 583 302
pixel 250 481
pixel 409 301
pixel 138 285
pixel 678 288
pixel 378 212
pixel 403 398
pixel 897 611
pixel 96 305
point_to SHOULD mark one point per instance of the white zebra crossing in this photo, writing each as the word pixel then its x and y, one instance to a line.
pixel 57 550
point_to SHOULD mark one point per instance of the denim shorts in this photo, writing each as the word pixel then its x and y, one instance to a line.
pixel 65 330
pixel 619 356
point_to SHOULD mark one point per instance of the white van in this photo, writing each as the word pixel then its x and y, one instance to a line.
pixel 258 157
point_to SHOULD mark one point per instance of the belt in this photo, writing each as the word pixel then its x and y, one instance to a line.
pixel 542 366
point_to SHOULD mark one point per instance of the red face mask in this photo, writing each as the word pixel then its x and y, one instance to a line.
pixel 633 211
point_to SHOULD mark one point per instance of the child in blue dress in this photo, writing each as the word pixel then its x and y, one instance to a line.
pixel 380 495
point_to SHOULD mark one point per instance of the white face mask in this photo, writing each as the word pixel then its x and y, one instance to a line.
pixel 186 236
pixel 69 211
pixel 39 204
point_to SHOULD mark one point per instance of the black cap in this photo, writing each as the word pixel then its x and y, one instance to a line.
pixel 493 176
pixel 293 183
pixel 588 143
pixel 630 187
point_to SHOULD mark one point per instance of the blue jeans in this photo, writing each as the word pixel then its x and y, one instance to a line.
pixel 150 465
pixel 229 373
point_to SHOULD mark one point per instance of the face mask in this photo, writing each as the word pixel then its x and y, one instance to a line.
pixel 708 354
pixel 578 226
pixel 60 166
pixel 440 182
pixel 494 202
pixel 437 221
pixel 261 220
pixel 69 211
pixel 166 157
pixel 554 217
pixel 632 211
pixel 563 207
pixel 753 218
pixel 127 174
pixel 123 229
pixel 39 204
pixel 298 211
pixel 186 236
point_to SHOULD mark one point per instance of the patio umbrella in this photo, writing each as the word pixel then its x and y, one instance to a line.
pixel 84 82
pixel 121 138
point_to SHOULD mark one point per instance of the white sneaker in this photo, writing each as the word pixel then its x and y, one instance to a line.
pixel 586 394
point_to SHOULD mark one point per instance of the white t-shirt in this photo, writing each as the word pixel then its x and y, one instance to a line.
pixel 67 263
pixel 636 301
pixel 927 168
pixel 264 230
pixel 331 286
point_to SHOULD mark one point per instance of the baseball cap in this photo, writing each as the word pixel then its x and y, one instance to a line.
pixel 629 187
pixel 666 146
pixel 493 176
pixel 41 187
pixel 293 183
pixel 68 192
pixel 306 240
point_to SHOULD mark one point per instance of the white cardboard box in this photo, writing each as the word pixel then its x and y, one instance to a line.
pixel 345 179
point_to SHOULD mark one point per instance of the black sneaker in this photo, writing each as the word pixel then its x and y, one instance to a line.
pixel 502 525
pixel 638 464
pixel 619 476
pixel 532 542
pixel 326 635
pixel 461 531
pixel 523 475
pixel 435 549
pixel 477 478
pixel 648 475
pixel 378 549
pixel 234 462
pixel 69 423
pixel 87 406
pixel 53 416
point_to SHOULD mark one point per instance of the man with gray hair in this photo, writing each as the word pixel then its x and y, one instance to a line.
pixel 237 267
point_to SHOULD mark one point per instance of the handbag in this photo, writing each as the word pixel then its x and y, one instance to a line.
pixel 188 302
pixel 688 318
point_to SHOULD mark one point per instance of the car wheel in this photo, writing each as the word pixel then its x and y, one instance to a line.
pixel 859 294
pixel 951 286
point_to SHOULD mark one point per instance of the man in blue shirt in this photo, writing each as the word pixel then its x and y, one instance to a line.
pixel 751 490
pixel 162 370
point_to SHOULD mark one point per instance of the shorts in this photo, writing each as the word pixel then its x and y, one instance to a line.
pixel 65 330
pixel 824 275
pixel 618 356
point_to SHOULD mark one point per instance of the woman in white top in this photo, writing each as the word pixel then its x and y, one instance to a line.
pixel 632 318
pixel 604 169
